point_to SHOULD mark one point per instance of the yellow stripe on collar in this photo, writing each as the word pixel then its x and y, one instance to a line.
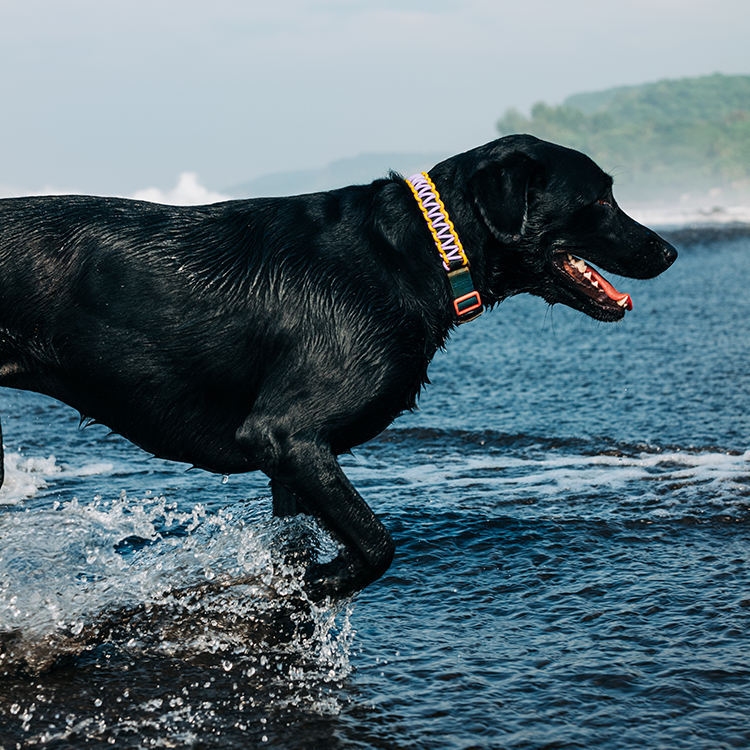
pixel 466 300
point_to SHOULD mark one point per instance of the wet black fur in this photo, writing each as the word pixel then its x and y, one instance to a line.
pixel 274 334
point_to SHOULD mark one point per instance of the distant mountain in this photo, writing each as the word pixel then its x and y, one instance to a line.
pixel 361 169
pixel 664 140
pixel 705 99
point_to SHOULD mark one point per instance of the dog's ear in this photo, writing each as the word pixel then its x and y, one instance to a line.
pixel 500 190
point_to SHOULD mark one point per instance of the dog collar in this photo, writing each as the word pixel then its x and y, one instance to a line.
pixel 466 300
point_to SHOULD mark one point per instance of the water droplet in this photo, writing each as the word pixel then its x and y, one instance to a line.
pixel 225 479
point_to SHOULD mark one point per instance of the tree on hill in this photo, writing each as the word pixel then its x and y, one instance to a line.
pixel 660 140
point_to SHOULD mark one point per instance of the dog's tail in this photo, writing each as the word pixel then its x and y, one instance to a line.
pixel 2 458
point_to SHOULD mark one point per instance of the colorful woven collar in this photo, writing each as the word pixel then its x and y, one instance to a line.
pixel 466 300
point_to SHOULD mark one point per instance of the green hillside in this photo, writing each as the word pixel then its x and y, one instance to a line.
pixel 660 140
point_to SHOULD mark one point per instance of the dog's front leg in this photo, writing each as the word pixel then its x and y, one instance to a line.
pixel 309 472
pixel 285 502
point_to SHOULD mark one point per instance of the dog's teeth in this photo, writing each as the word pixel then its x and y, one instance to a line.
pixel 623 302
pixel 577 263
pixel 587 276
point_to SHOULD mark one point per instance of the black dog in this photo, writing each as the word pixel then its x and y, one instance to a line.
pixel 276 334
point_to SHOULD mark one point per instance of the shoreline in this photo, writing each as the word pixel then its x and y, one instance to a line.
pixel 692 226
pixel 702 234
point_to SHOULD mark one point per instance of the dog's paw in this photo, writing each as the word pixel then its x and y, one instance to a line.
pixel 337 579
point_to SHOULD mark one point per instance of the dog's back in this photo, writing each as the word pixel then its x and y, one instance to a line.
pixel 164 323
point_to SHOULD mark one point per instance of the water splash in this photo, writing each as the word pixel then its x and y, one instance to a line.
pixel 148 579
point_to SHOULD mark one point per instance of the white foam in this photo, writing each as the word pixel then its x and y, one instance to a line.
pixel 187 192
pixel 25 476
pixel 683 216
pixel 677 482
pixel 12 191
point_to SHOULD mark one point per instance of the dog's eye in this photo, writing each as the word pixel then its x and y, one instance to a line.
pixel 603 202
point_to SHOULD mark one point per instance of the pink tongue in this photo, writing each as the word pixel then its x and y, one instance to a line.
pixel 610 291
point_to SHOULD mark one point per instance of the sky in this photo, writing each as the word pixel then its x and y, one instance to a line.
pixel 114 97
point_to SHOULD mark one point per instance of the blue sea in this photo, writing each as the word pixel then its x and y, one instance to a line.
pixel 571 505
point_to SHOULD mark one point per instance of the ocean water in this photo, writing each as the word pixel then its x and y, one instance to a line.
pixel 570 504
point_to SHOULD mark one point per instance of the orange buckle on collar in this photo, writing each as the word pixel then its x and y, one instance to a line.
pixel 467 304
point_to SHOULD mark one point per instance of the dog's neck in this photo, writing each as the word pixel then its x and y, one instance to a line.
pixel 467 303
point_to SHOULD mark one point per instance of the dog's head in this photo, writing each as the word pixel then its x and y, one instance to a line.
pixel 546 213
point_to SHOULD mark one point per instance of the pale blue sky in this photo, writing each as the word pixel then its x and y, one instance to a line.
pixel 109 97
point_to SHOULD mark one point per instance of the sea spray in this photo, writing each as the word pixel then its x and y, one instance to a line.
pixel 144 577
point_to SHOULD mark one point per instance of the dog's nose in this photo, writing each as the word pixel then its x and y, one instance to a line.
pixel 670 255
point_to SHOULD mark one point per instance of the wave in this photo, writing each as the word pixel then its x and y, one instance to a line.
pixel 534 476
pixel 187 192
pixel 489 438
pixel 26 476
pixel 676 216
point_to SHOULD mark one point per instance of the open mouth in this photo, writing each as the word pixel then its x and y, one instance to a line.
pixel 592 284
